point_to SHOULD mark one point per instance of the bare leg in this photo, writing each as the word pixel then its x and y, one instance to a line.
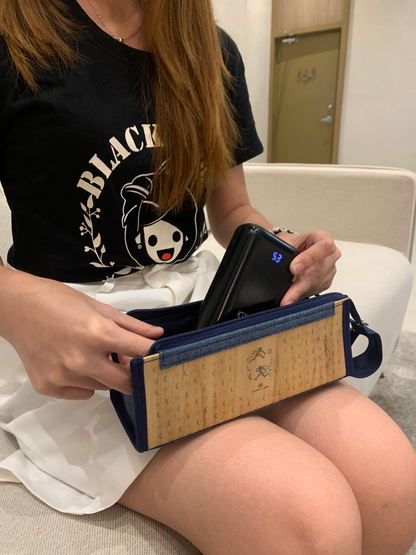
pixel 370 451
pixel 250 487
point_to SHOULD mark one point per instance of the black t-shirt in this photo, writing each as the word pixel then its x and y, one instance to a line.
pixel 75 164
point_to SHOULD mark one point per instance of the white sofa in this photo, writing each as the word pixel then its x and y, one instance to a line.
pixel 371 214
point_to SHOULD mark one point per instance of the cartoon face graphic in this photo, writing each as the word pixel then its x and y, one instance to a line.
pixel 151 238
pixel 163 242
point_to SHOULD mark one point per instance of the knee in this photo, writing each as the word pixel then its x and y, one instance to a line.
pixel 403 498
pixel 320 518
pixel 330 523
pixel 391 504
pixel 310 526
pixel 384 485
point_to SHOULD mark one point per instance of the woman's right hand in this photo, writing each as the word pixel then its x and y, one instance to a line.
pixel 65 338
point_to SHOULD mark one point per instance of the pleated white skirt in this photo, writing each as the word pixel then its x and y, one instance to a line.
pixel 75 455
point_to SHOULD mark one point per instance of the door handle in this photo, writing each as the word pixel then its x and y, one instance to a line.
pixel 328 119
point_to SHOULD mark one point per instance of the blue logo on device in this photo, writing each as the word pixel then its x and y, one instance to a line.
pixel 277 257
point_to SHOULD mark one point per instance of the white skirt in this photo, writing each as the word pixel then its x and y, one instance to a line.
pixel 75 455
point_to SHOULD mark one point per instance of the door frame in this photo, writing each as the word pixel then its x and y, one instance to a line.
pixel 343 27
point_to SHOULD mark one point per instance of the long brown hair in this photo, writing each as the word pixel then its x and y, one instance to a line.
pixel 196 129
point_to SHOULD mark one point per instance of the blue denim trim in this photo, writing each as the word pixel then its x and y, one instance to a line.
pixel 198 349
pixel 131 409
pixel 349 365
pixel 128 402
pixel 128 423
pixel 184 336
pixel 173 319
pixel 133 415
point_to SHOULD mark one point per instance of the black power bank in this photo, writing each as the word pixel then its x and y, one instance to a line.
pixel 253 276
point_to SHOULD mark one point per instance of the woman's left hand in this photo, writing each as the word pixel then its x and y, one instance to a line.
pixel 314 268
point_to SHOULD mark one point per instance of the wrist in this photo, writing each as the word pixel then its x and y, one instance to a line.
pixel 277 230
pixel 286 235
pixel 16 288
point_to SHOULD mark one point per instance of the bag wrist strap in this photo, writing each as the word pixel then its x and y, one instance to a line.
pixel 369 361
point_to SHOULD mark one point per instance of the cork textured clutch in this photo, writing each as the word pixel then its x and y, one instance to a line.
pixel 195 380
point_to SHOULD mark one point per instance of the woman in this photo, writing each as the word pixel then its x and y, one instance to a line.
pixel 120 119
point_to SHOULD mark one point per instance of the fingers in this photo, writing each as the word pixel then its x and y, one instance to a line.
pixel 131 324
pixel 65 343
pixel 82 367
pixel 66 385
pixel 314 268
pixel 127 344
pixel 111 375
pixel 307 285
pixel 116 333
pixel 315 247
pixel 62 383
pixel 70 393
pixel 124 360
pixel 137 326
pixel 115 339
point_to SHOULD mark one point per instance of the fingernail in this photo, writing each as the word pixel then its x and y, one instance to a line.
pixel 299 268
pixel 287 303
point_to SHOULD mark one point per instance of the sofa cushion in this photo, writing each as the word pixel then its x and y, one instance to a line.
pixel 29 527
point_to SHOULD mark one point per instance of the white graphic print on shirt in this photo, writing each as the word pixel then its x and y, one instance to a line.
pixel 149 238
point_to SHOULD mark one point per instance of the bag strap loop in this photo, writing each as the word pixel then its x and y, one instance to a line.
pixel 369 361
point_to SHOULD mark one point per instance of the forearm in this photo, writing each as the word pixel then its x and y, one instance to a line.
pixel 18 291
pixel 12 289
pixel 229 206
pixel 244 214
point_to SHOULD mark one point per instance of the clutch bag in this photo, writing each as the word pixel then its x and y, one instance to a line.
pixel 194 380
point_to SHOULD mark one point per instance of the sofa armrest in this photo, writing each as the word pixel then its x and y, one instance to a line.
pixel 361 204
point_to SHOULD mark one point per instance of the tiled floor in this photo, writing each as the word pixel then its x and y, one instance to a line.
pixel 410 318
pixel 410 325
